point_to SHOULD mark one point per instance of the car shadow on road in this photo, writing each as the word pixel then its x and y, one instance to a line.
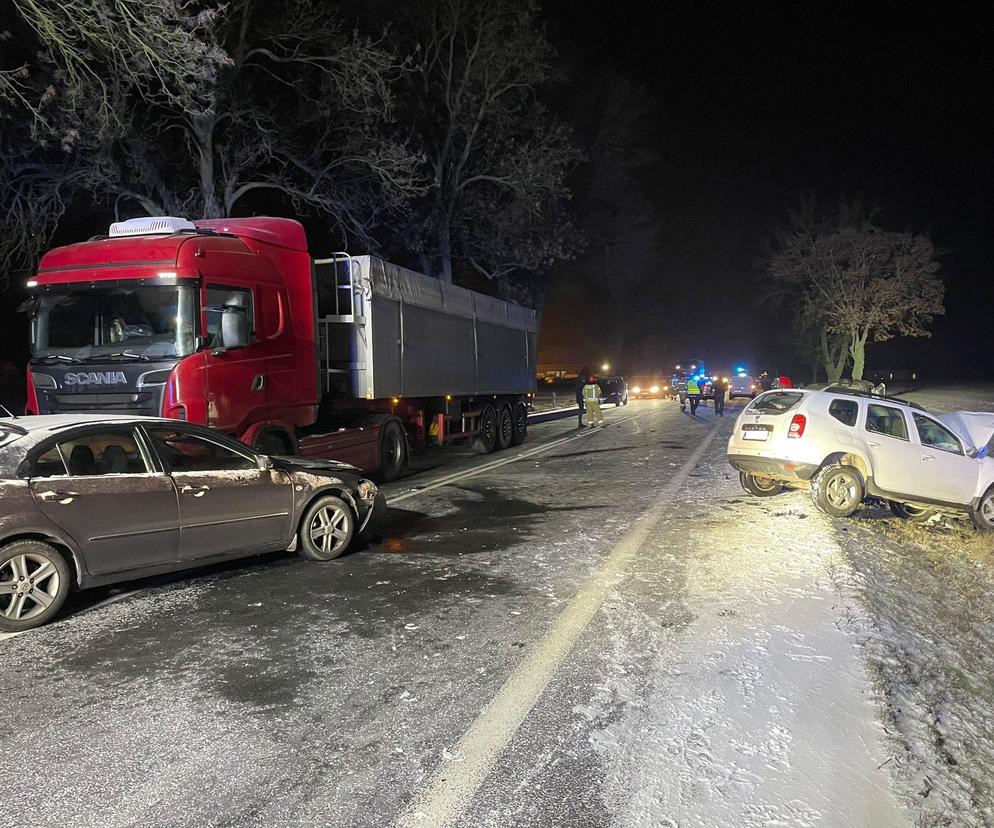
pixel 486 520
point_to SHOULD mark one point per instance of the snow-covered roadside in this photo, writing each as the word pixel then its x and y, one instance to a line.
pixel 760 710
pixel 928 638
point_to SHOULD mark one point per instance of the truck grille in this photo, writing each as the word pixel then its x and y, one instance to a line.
pixel 144 403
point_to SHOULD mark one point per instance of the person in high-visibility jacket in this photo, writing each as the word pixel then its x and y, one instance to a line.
pixel 694 392
pixel 592 402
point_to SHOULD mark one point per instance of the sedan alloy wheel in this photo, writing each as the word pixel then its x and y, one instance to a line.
pixel 326 529
pixel 34 582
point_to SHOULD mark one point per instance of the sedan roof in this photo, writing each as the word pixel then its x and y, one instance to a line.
pixel 56 422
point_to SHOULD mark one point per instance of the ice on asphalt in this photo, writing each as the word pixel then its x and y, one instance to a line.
pixel 761 710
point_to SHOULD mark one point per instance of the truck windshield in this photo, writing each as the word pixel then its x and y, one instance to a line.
pixel 115 322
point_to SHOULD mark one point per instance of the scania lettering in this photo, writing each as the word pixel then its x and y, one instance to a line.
pixel 231 323
pixel 96 378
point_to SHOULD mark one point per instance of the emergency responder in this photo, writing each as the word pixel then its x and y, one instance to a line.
pixel 680 386
pixel 718 388
pixel 581 380
pixel 693 392
pixel 592 402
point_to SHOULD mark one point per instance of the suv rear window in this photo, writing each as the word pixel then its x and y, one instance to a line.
pixel 775 402
pixel 845 411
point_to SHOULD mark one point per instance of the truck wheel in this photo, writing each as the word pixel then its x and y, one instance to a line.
pixel 34 583
pixel 758 485
pixel 520 424
pixel 485 441
pixel 505 427
pixel 326 529
pixel 837 490
pixel 273 443
pixel 915 513
pixel 393 450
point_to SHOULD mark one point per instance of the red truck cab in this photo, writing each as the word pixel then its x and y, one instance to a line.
pixel 169 318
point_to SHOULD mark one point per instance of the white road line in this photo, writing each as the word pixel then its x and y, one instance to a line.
pixel 452 478
pixel 456 781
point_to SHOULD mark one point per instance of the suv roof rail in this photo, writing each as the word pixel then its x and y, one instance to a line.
pixel 853 392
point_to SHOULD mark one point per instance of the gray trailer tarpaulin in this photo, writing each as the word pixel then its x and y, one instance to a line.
pixel 409 335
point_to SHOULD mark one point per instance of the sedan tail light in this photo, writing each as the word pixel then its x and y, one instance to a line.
pixel 797 426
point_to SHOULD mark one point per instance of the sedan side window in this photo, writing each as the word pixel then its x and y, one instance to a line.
pixel 936 436
pixel 106 452
pixel 183 451
pixel 882 419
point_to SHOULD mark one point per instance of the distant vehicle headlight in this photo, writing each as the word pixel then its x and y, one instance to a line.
pixel 654 389
pixel 752 387
pixel 367 489
pixel 636 390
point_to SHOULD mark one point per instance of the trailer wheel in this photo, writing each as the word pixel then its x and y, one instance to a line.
pixel 486 439
pixel 520 424
pixel 393 450
pixel 505 427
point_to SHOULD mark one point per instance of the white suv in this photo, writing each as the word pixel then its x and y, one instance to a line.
pixel 849 444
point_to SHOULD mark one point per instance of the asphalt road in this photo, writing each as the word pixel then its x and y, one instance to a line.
pixel 470 668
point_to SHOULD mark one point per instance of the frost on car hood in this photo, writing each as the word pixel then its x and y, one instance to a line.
pixel 975 427
pixel 316 463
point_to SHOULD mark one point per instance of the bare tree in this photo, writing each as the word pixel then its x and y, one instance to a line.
pixel 853 282
pixel 496 158
pixel 152 106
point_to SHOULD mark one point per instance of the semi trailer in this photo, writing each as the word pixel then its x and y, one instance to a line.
pixel 231 323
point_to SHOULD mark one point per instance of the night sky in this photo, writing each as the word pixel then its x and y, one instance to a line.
pixel 758 101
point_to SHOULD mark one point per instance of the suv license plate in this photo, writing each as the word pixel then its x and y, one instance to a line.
pixel 755 435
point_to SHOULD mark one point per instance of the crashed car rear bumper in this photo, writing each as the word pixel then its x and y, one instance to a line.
pixel 770 467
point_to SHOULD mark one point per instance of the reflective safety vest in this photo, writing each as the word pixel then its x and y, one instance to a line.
pixel 591 392
pixel 693 387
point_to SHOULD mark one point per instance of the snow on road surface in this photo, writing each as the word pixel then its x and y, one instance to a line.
pixel 761 711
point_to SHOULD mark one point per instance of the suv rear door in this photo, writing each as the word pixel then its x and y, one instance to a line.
pixel 894 458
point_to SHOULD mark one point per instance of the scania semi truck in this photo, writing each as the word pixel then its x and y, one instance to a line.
pixel 231 323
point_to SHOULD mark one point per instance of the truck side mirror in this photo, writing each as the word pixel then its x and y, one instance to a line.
pixel 234 328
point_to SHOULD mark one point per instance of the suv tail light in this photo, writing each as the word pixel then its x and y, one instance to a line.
pixel 797 426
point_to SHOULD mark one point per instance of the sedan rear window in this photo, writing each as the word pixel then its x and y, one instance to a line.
pixel 775 402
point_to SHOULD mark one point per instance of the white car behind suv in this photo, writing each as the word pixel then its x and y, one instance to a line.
pixel 849 444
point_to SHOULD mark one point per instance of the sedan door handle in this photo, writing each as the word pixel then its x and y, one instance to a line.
pixel 873 445
pixel 196 491
pixel 927 457
pixel 61 497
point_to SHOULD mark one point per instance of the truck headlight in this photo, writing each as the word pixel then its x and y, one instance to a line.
pixel 636 390
pixel 367 489
pixel 654 389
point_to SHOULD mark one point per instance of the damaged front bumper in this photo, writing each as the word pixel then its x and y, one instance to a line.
pixel 374 515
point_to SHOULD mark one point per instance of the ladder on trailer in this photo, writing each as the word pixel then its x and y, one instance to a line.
pixel 342 297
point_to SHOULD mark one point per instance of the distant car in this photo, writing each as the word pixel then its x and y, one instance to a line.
pixel 94 500
pixel 742 385
pixel 649 388
pixel 848 444
pixel 614 390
